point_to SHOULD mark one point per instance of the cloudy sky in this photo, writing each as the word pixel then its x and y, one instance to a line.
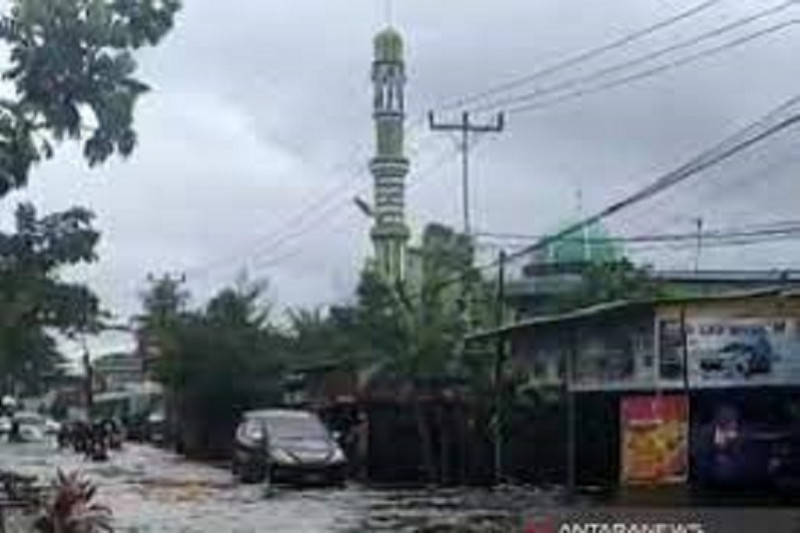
pixel 257 134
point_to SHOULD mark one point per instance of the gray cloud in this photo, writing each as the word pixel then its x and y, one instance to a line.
pixel 258 107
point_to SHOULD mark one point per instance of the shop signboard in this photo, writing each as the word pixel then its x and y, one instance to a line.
pixel 726 352
pixel 655 439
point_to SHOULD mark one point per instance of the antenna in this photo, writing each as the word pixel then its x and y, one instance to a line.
pixel 587 250
pixel 699 224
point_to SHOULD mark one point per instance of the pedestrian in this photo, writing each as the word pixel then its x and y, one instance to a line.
pixel 15 434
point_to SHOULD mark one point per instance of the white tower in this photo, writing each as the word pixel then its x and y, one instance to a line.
pixel 389 167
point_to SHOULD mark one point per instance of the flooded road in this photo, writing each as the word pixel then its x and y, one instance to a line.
pixel 153 490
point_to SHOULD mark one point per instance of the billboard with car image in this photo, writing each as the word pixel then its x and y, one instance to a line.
pixel 725 352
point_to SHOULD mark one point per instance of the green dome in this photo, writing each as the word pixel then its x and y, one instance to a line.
pixel 388 46
pixel 589 245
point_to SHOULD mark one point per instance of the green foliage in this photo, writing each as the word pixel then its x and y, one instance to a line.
pixel 215 361
pixel 33 298
pixel 414 329
pixel 316 338
pixel 70 74
pixel 73 509
pixel 73 73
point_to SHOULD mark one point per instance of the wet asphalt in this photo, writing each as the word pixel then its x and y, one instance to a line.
pixel 150 489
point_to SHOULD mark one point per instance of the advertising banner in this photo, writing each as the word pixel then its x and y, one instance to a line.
pixel 655 439
pixel 731 352
pixel 743 351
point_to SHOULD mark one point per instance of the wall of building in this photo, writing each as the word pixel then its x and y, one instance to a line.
pixel 743 356
pixel 611 352
pixel 729 343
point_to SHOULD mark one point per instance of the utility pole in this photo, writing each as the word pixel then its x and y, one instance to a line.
pixel 699 223
pixel 171 399
pixel 89 384
pixel 466 127
pixel 498 371
pixel 571 408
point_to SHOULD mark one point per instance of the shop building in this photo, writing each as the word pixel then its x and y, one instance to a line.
pixel 648 392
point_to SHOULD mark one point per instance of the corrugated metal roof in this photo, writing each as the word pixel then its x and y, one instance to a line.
pixel 754 276
pixel 624 305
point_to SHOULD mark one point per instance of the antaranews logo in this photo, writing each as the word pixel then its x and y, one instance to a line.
pixel 548 526
pixel 542 526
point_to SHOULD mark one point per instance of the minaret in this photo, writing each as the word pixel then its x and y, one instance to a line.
pixel 389 167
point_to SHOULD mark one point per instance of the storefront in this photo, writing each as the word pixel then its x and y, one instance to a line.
pixel 703 390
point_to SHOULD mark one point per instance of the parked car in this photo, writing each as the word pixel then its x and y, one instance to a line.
pixel 5 425
pixel 30 427
pixel 155 427
pixel 51 427
pixel 281 445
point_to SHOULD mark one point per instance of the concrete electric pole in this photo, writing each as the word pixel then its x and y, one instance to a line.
pixel 466 127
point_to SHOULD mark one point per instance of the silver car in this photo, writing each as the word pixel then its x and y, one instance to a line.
pixel 281 445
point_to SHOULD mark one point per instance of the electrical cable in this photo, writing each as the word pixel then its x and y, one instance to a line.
pixel 644 58
pixel 581 57
pixel 654 71
pixel 724 150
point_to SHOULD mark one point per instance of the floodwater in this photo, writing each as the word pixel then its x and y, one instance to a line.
pixel 152 490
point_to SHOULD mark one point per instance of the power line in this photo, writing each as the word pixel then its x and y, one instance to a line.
pixel 581 57
pixel 321 202
pixel 721 243
pixel 699 193
pixel 335 198
pixel 721 152
pixel 716 155
pixel 467 128
pixel 778 229
pixel 263 258
pixel 324 216
pixel 627 80
pixel 644 58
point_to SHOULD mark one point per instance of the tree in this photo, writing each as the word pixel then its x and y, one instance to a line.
pixel 313 338
pixel 70 75
pixel 72 72
pixel 164 305
pixel 34 300
pixel 414 329
pixel 223 359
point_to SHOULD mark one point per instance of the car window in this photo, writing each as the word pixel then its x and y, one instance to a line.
pixel 294 427
pixel 29 418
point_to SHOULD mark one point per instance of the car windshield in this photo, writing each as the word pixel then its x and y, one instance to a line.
pixel 294 427
pixel 29 419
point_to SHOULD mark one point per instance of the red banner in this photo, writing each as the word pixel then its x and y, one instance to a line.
pixel 655 439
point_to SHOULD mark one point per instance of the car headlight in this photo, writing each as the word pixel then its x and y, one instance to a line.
pixel 255 435
pixel 338 456
pixel 281 456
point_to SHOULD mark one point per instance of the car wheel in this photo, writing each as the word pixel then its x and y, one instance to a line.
pixel 251 474
pixel 337 477
pixel 740 365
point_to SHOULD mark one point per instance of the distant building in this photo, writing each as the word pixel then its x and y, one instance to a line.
pixel 116 371
pixel 558 269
